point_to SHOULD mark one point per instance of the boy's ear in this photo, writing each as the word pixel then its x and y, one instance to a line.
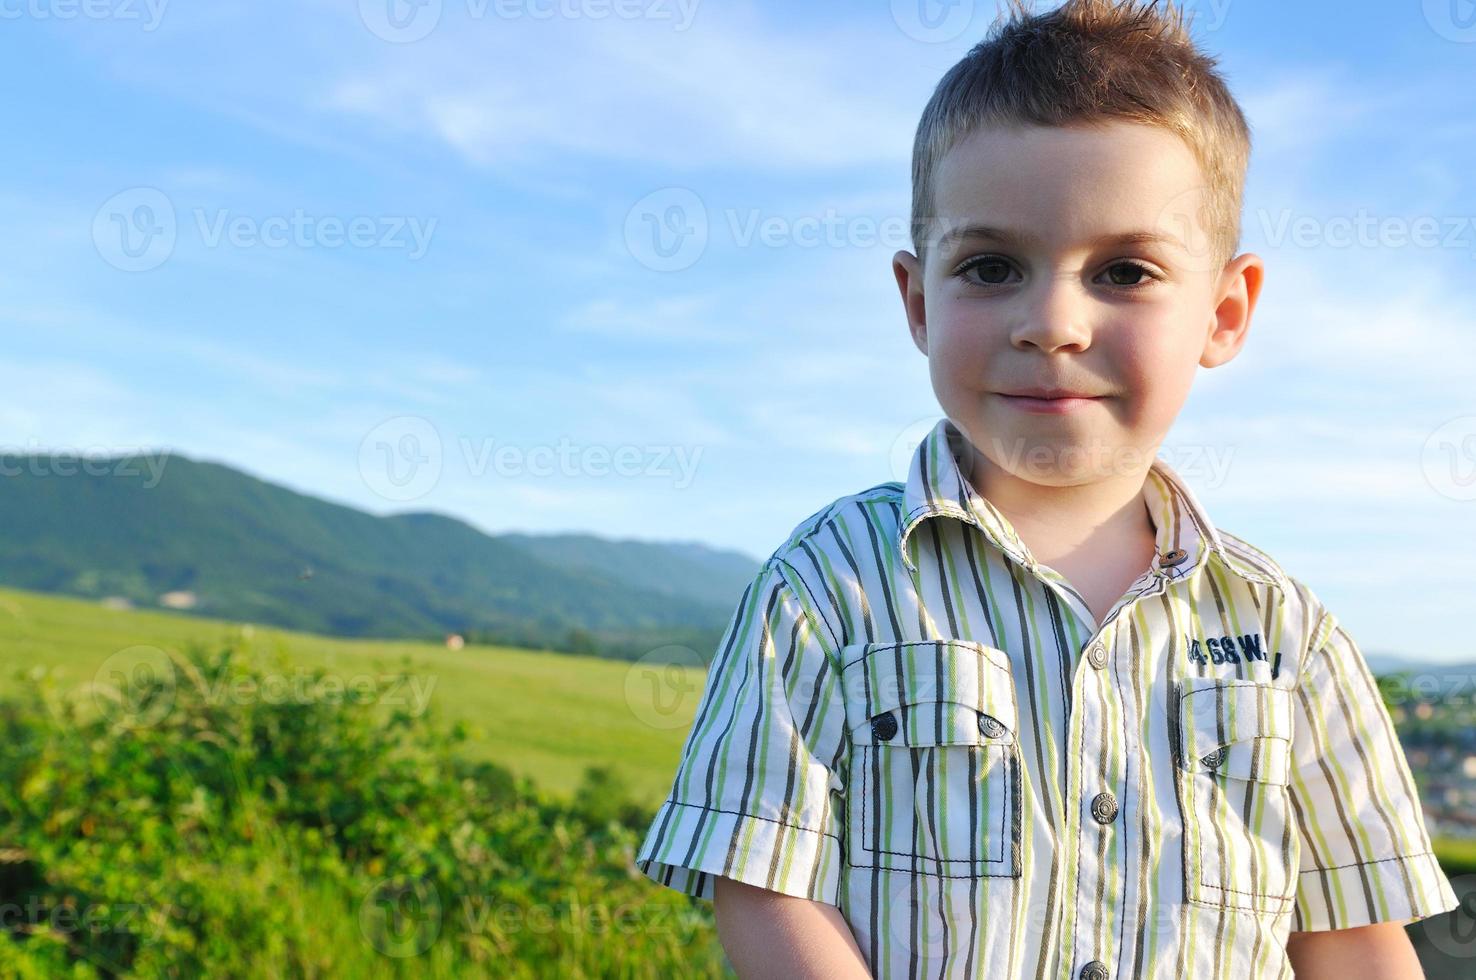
pixel 909 272
pixel 1235 300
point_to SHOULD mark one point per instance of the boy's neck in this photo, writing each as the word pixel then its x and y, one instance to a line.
pixel 1070 524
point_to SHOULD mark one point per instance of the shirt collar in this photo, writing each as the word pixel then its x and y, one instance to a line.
pixel 1184 535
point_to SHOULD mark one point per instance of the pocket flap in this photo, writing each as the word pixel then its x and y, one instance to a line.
pixel 1237 728
pixel 939 692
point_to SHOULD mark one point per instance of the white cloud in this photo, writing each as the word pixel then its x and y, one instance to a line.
pixel 59 405
pixel 681 317
pixel 727 92
pixel 1297 112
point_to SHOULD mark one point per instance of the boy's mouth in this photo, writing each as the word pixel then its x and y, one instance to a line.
pixel 1048 401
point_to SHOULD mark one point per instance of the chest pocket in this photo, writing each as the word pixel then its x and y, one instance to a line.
pixel 1233 767
pixel 934 779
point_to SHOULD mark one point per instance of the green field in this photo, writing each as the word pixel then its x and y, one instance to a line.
pixel 277 836
pixel 182 797
pixel 543 714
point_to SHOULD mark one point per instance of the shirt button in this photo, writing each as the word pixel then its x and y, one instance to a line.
pixel 1095 970
pixel 990 726
pixel 1104 807
pixel 884 726
pixel 1214 758
pixel 1173 557
pixel 1097 655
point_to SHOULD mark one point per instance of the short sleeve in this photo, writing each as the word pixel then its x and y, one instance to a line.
pixel 758 794
pixel 1365 851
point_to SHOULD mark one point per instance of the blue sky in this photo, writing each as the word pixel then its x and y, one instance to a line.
pixel 402 257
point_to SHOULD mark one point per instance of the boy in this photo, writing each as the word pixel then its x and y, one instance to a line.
pixel 1030 713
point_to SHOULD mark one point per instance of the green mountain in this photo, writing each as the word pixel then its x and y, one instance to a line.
pixel 225 544
pixel 671 568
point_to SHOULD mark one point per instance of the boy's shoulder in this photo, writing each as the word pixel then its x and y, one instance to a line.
pixel 844 521
pixel 870 520
pixel 1300 604
pixel 880 506
pixel 1252 562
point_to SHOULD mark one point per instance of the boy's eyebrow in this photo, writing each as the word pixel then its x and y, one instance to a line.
pixel 1007 237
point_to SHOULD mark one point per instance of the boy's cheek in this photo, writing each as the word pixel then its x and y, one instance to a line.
pixel 964 343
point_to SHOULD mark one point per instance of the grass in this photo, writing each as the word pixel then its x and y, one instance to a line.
pixel 543 714
pixel 308 836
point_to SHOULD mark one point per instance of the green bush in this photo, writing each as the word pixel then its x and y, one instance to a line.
pixel 185 822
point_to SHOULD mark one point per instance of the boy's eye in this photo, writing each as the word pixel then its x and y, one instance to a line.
pixel 994 270
pixel 1127 274
pixel 991 270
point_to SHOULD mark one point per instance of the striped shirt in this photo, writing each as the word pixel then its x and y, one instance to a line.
pixel 912 719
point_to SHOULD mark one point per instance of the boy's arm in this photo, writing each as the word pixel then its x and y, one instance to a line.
pixel 1366 856
pixel 766 934
pixel 1380 950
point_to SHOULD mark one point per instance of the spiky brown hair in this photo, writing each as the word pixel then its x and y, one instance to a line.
pixel 1084 62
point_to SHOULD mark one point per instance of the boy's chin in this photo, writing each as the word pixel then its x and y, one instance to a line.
pixel 1064 462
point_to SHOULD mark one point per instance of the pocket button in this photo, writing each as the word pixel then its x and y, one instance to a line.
pixel 884 726
pixel 1104 807
pixel 1214 758
pixel 990 726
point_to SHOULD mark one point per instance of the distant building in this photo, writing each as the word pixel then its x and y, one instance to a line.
pixel 117 602
pixel 178 600
pixel 455 641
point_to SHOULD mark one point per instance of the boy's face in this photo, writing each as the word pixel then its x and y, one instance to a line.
pixel 1053 305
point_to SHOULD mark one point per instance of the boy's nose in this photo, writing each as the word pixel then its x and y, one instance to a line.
pixel 1055 317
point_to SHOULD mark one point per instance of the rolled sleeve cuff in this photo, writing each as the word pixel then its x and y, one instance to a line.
pixel 1401 888
pixel 689 845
